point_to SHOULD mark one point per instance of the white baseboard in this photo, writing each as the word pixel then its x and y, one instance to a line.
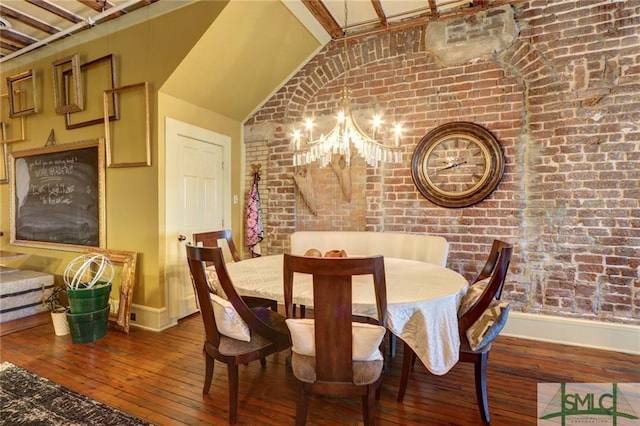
pixel 577 332
pixel 546 328
pixel 154 319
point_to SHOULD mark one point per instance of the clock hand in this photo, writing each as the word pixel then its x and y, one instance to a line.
pixel 451 166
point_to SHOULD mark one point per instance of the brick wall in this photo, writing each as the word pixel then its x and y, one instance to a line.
pixel 564 102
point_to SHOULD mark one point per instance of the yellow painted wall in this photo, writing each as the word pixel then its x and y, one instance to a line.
pixel 148 51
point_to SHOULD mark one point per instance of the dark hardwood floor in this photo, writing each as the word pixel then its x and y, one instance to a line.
pixel 159 376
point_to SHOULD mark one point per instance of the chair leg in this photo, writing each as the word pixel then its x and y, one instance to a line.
pixel 480 371
pixel 407 363
pixel 369 406
pixel 393 343
pixel 263 362
pixel 232 372
pixel 208 375
pixel 302 406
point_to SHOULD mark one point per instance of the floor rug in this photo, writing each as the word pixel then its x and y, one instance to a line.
pixel 28 399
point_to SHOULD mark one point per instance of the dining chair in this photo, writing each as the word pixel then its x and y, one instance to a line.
pixel 481 317
pixel 490 264
pixel 331 353
pixel 211 239
pixel 234 333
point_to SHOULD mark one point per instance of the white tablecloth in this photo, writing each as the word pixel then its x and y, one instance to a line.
pixel 422 301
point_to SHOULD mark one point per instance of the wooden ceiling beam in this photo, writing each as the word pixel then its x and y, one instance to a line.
pixel 27 20
pixel 51 8
pixel 16 37
pixel 377 6
pixel 9 47
pixel 324 17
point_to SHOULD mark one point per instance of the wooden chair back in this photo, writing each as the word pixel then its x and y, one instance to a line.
pixel 491 292
pixel 212 238
pixel 199 258
pixel 332 307
pixel 487 269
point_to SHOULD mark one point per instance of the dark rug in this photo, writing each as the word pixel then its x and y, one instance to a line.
pixel 28 399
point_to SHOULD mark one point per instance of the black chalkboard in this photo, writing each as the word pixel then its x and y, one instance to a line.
pixel 58 196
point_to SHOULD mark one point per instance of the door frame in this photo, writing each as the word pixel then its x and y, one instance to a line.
pixel 175 128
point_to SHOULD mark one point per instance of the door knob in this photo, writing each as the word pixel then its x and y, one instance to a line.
pixel 181 238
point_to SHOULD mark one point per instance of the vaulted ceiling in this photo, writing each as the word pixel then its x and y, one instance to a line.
pixel 26 25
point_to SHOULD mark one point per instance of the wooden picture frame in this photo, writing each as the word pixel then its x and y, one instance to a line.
pixel 57 196
pixel 122 285
pixel 96 76
pixel 4 159
pixel 21 89
pixel 9 134
pixel 68 97
pixel 122 150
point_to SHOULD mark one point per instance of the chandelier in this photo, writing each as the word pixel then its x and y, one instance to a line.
pixel 346 136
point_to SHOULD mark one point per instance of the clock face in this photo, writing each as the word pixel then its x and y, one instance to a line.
pixel 457 164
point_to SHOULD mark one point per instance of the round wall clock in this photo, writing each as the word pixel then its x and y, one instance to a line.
pixel 457 164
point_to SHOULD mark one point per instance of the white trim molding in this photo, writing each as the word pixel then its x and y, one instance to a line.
pixel 576 332
pixel 154 319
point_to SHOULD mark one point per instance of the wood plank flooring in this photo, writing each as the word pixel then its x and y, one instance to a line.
pixel 159 377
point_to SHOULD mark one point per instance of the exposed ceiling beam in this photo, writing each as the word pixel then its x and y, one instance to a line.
pixel 16 37
pixel 380 12
pixel 27 20
pixel 322 14
pixel 9 47
pixel 56 10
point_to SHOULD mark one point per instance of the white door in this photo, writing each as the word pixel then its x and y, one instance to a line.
pixel 198 188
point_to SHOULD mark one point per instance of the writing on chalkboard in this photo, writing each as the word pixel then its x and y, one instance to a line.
pixel 58 195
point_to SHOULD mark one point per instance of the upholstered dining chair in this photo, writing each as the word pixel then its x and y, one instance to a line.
pixel 234 333
pixel 481 317
pixel 332 354
pixel 211 239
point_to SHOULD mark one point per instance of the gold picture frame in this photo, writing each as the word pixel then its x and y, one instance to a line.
pixel 57 196
pixel 68 96
pixel 97 75
pixel 21 90
pixel 4 159
pixel 8 135
pixel 122 284
pixel 121 151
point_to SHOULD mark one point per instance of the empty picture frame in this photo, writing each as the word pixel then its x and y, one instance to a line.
pixel 128 140
pixel 68 99
pixel 122 285
pixel 4 157
pixel 4 163
pixel 12 128
pixel 96 77
pixel 21 89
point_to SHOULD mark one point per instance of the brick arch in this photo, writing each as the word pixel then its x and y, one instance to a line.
pixel 330 65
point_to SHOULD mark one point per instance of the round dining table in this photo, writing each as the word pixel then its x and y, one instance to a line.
pixel 422 301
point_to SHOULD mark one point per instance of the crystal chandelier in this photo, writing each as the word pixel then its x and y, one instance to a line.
pixel 345 136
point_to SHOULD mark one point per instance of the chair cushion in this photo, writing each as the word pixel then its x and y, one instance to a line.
pixel 364 372
pixel 228 320
pixel 488 326
pixel 472 296
pixel 365 346
pixel 214 284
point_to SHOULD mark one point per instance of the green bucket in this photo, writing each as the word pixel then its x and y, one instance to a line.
pixel 86 300
pixel 88 327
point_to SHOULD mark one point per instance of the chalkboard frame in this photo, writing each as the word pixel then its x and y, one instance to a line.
pixel 97 179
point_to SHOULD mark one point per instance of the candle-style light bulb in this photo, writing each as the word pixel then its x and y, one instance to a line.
pixel 309 126
pixel 398 132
